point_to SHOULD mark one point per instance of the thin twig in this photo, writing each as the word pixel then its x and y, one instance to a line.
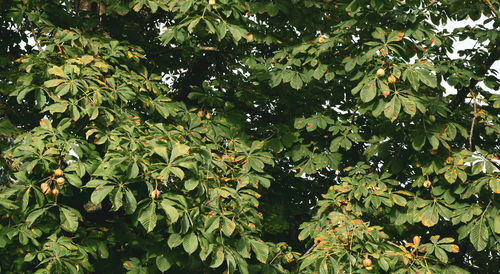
pixel 208 48
pixel 35 37
pixel 311 248
pixel 393 244
pixel 473 121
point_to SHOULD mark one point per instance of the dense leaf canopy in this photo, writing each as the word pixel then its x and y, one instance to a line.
pixel 284 136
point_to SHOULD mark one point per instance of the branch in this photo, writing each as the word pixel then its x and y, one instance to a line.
pixel 492 8
pixel 208 48
pixel 473 121
pixel 462 92
pixel 34 37
pixel 311 249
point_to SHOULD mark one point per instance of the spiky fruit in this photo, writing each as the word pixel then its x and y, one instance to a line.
pixel 55 192
pixel 155 194
pixel 391 79
pixel 427 183
pixel 60 181
pixel 380 72
pixel 58 172
pixel 367 262
pixel 45 188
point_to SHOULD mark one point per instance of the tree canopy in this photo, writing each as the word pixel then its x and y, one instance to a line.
pixel 283 136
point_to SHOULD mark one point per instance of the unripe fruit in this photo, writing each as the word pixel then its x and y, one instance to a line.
pixel 367 262
pixel 380 72
pixel 208 115
pixel 391 79
pixel 200 114
pixel 427 183
pixel 58 172
pixel 55 191
pixel 45 188
pixel 155 194
pixel 60 181
pixel 416 240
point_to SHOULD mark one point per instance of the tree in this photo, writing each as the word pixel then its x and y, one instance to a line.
pixel 248 136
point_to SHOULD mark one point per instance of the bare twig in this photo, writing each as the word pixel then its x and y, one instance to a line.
pixel 208 48
pixel 311 248
pixel 473 120
pixel 35 37
pixel 393 244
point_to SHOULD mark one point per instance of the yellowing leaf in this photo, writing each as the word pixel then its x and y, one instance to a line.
pixel 55 70
pixel 53 83
pixel 178 150
pixel 86 59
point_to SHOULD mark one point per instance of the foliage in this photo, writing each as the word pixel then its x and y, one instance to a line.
pixel 248 136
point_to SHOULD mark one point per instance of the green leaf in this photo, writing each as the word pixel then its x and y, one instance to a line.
pixel 100 193
pixel 479 235
pixel 56 108
pixel 171 212
pixel 211 224
pixel 33 216
pixel 228 226
pixel 174 240
pixel 162 151
pixel 441 254
pixel 296 81
pixel 69 219
pixel 368 92
pixel 190 184
pixel 163 263
pixel 73 179
pixel 178 150
pixel 495 185
pixel 190 243
pixel 131 202
pixel 148 218
pixel 260 249
pixel 218 258
pixel 383 264
pixel 418 140
pixel 221 30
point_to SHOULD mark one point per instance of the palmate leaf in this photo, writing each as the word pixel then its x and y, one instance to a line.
pixel 190 243
pixel 100 193
pixel 479 235
pixel 147 217
pixel 144 139
pixel 69 219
